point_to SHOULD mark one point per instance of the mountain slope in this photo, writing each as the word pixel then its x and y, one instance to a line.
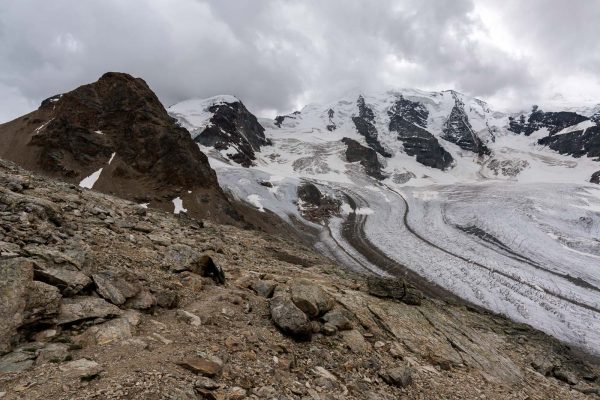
pixel 114 135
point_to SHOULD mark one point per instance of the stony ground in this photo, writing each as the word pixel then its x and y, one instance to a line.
pixel 102 299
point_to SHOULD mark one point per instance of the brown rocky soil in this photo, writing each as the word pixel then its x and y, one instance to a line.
pixel 102 299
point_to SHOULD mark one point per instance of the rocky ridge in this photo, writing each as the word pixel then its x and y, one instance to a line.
pixel 111 300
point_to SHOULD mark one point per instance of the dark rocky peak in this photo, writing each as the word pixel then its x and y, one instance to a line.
pixel 280 119
pixel 538 119
pixel 331 126
pixel 420 143
pixel 411 111
pixel 118 131
pixel 458 130
pixel 366 156
pixel 365 127
pixel 364 111
pixel 577 143
pixel 233 126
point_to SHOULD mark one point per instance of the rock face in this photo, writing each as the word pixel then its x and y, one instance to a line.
pixel 116 133
pixel 577 143
pixel 314 205
pixel 595 177
pixel 364 123
pixel 365 155
pixel 234 129
pixel 458 130
pixel 537 119
pixel 408 120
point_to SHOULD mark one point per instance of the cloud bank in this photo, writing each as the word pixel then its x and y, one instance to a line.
pixel 277 55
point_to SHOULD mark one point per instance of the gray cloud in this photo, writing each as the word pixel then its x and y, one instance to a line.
pixel 279 54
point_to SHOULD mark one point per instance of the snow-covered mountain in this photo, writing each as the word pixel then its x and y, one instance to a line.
pixel 495 207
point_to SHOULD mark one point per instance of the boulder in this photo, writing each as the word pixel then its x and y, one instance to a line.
pixel 81 308
pixel 114 288
pixel 398 376
pixel 115 330
pixel 205 266
pixel 201 366
pixel 43 303
pixel 393 288
pixel 83 369
pixel 66 278
pixel 264 288
pixel 17 361
pixel 595 177
pixel 337 319
pixel 16 274
pixel 288 317
pixel 310 298
pixel 355 341
pixel 53 352
pixel 144 300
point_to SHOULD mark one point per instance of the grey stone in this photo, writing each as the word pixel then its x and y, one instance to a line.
pixel 562 374
pixel 355 341
pixel 144 300
pixel 16 274
pixel 67 279
pixel 43 303
pixel 338 320
pixel 83 369
pixel 82 308
pixel 310 298
pixel 399 376
pixel 289 318
pixel 264 288
pixel 114 288
pixel 53 352
pixel 17 361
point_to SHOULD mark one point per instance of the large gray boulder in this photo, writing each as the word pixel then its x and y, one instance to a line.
pixel 81 308
pixel 114 288
pixel 310 298
pixel 16 275
pixel 289 318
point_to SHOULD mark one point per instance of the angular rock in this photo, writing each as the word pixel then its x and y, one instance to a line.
pixel 166 298
pixel 205 266
pixel 201 366
pixel 115 330
pixel 53 352
pixel 43 303
pixel 67 279
pixel 595 177
pixel 563 374
pixel 264 288
pixel 386 288
pixel 355 341
pixel 190 318
pixel 16 275
pixel 83 369
pixel 144 300
pixel 365 155
pixel 81 308
pixel 17 361
pixel 399 376
pixel 289 318
pixel 114 288
pixel 338 320
pixel 310 298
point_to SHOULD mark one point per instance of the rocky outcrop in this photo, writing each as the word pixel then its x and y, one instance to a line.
pixel 116 133
pixel 314 205
pixel 234 129
pixel 595 177
pixel 415 139
pixel 577 143
pixel 458 130
pixel 364 124
pixel 538 119
pixel 355 152
pixel 281 119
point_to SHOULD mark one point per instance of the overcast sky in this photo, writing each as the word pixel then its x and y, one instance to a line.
pixel 277 55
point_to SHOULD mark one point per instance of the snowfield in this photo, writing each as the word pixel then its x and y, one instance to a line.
pixel 516 231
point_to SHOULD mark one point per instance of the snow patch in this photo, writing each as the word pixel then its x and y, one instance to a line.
pixel 111 158
pixel 178 203
pixel 88 182
pixel 254 199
